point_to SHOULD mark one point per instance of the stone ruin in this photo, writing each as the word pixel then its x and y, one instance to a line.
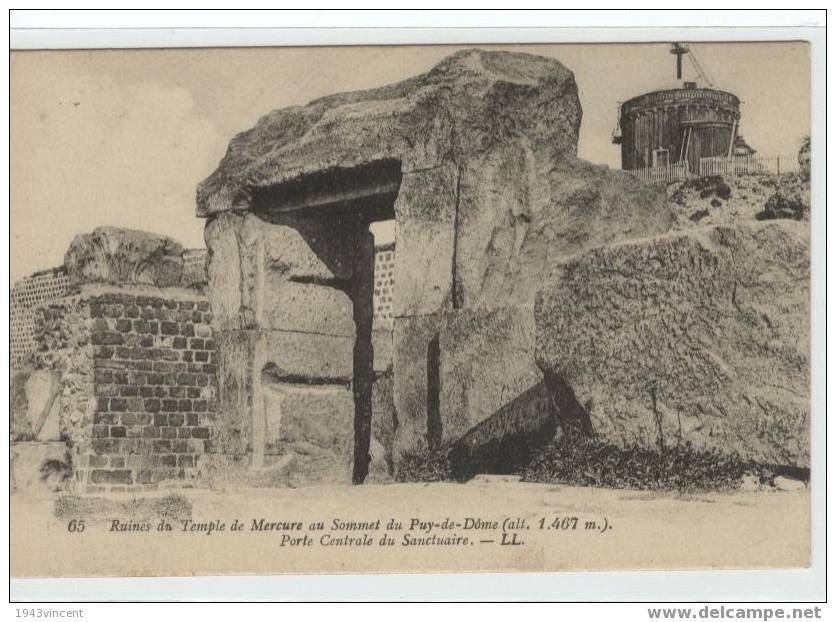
pixel 534 293
pixel 119 395
pixel 476 162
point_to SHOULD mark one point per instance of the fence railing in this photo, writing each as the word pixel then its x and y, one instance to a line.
pixel 748 165
pixel 672 172
pixel 738 165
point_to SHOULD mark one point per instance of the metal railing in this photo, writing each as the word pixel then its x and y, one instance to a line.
pixel 748 165
pixel 738 165
pixel 672 172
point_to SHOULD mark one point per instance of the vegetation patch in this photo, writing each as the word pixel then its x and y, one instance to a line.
pixel 705 187
pixel 698 215
pixel 579 460
pixel 424 466
pixel 791 200
pixel 172 507
pixel 585 461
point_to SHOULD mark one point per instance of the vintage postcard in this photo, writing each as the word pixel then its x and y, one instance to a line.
pixel 410 309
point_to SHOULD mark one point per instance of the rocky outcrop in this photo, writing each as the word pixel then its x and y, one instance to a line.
pixel 122 256
pixel 700 337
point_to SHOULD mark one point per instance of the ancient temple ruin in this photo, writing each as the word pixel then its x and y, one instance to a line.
pixel 476 162
pixel 526 293
pixel 116 389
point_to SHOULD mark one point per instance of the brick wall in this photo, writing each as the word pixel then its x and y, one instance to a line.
pixel 24 299
pixel 384 285
pixel 153 365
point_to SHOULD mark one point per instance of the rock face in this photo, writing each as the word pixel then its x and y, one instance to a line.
pixel 476 162
pixel 701 336
pixel 114 255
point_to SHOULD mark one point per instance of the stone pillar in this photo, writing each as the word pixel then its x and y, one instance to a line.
pixel 424 282
pixel 286 336
pixel 363 369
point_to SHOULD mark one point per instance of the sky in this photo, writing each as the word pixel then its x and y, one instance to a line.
pixel 123 137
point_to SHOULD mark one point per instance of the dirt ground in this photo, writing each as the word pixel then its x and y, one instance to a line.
pixel 443 527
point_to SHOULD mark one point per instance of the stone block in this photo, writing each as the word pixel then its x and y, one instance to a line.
pixel 384 425
pixel 414 123
pixel 487 361
pixel 114 255
pixel 236 362
pixel 286 356
pixel 311 425
pixel 505 442
pixel 305 307
pixel 383 346
pixel 279 276
pixel 415 339
pixel 306 356
pixel 425 211
pixel 36 411
pixel 699 337
pixel 524 209
pixel 224 269
pixel 308 249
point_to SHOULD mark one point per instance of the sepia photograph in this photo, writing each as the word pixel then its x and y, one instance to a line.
pixel 409 309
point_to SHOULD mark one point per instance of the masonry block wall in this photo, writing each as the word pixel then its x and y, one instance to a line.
pixel 138 384
pixel 384 285
pixel 24 298
pixel 284 323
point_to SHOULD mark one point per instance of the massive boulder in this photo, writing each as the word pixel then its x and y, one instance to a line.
pixel 477 158
pixel 116 255
pixel 468 104
pixel 700 337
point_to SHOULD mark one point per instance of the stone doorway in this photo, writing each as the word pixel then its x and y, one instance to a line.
pixel 301 373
